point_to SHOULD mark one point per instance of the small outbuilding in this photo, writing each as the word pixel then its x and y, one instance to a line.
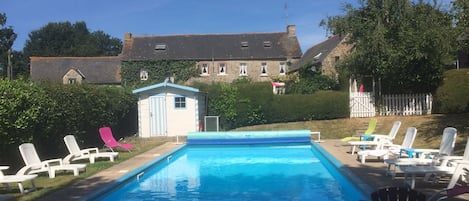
pixel 168 109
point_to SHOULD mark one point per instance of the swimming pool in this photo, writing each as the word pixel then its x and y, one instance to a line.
pixel 239 172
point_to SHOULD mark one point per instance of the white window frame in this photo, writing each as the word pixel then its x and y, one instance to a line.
pixel 72 80
pixel 222 69
pixel 143 75
pixel 180 102
pixel 282 68
pixel 204 69
pixel 243 69
pixel 264 71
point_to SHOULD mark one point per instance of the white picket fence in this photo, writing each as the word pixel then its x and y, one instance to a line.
pixel 406 104
pixel 363 104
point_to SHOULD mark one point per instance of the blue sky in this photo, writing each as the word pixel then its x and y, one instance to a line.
pixel 164 17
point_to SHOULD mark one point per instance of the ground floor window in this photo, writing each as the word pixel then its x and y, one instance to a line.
pixel 282 69
pixel 222 69
pixel 243 69
pixel 204 69
pixel 264 69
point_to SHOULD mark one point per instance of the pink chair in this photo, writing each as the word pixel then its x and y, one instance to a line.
pixel 110 141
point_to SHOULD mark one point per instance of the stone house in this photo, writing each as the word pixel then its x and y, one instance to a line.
pixel 221 57
pixel 77 70
pixel 324 56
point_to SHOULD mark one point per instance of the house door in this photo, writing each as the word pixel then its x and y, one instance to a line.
pixel 158 118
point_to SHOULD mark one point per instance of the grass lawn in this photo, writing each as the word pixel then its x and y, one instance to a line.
pixel 429 128
pixel 429 131
pixel 45 185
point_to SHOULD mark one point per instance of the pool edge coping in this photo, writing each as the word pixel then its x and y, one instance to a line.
pixel 364 187
pixel 103 190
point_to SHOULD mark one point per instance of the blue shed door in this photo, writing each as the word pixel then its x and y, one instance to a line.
pixel 158 118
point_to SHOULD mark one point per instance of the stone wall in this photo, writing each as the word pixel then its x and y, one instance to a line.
pixel 232 70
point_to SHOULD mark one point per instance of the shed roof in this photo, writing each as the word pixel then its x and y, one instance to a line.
pixel 162 85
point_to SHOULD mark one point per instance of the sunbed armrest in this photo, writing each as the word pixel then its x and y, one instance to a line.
pixel 90 150
pixel 426 152
pixel 444 160
pixel 380 135
pixel 3 168
pixel 465 162
pixel 52 161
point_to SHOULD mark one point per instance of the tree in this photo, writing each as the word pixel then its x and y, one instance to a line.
pixel 401 43
pixel 460 11
pixel 66 39
pixel 7 38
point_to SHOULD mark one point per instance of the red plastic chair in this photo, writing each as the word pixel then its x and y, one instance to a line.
pixel 110 141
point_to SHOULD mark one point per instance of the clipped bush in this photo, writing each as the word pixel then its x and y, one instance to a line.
pixel 319 106
pixel 244 104
pixel 453 94
pixel 43 113
pixel 24 108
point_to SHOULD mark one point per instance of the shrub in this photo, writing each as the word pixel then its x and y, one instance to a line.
pixel 452 96
pixel 24 108
pixel 44 113
pixel 244 103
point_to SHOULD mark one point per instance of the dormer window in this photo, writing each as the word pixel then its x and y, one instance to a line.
pixel 244 44
pixel 143 75
pixel 317 56
pixel 267 44
pixel 160 47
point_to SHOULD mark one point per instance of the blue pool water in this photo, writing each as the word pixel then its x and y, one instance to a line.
pixel 242 172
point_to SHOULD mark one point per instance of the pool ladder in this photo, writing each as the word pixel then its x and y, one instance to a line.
pixel 140 175
pixel 169 158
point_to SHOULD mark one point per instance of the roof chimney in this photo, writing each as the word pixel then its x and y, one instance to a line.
pixel 127 36
pixel 291 30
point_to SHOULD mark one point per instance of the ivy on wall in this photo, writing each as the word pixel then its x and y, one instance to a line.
pixel 158 71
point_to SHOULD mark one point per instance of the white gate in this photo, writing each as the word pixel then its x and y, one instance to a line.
pixel 362 104
pixel 158 116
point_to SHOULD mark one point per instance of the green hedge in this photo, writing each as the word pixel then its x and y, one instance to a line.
pixel 318 106
pixel 243 104
pixel 453 94
pixel 43 113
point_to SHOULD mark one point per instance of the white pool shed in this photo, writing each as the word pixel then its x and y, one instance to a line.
pixel 168 109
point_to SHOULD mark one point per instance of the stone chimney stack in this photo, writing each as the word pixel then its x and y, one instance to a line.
pixel 127 36
pixel 291 30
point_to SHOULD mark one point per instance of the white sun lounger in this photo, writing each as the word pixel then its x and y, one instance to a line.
pixel 425 156
pixel 452 165
pixel 79 154
pixel 35 165
pixel 393 149
pixel 384 139
pixel 19 179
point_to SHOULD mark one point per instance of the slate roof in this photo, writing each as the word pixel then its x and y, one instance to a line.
pixel 200 47
pixel 96 70
pixel 317 53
